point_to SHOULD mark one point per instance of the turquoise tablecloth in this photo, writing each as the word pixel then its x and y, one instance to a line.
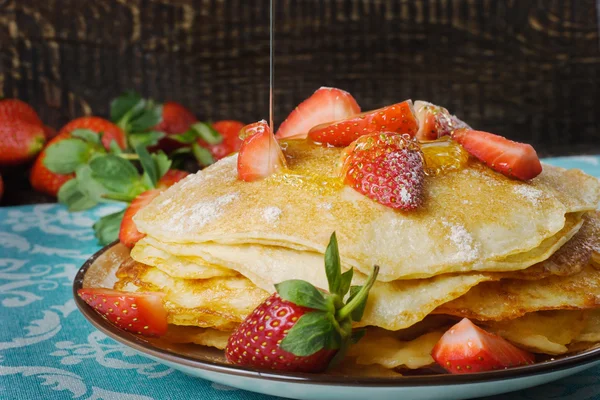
pixel 49 351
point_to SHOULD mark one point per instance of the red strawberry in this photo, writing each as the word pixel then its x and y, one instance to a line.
pixel 513 159
pixel 397 118
pixel 230 130
pixel 141 313
pixel 20 141
pixel 275 335
pixel 260 154
pixel 171 177
pixel 109 130
pixel 435 121
pixel 42 179
pixel 17 109
pixel 128 233
pixel 176 119
pixel 49 132
pixel 325 105
pixel 387 168
pixel 466 348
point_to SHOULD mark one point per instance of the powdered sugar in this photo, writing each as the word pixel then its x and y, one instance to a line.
pixel 271 214
pixel 325 206
pixel 530 193
pixel 201 213
pixel 463 240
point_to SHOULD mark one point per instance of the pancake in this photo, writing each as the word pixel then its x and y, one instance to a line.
pixel 512 298
pixel 471 218
pixel 548 332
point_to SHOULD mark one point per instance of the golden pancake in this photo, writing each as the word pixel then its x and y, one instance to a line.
pixel 471 218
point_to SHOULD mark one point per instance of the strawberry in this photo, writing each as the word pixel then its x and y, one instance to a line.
pixel 20 141
pixel 301 328
pixel 141 313
pixel 17 109
pixel 128 233
pixel 387 168
pixel 230 131
pixel 171 177
pixel 49 132
pixel 260 154
pixel 435 121
pixel 325 105
pixel 466 348
pixel 41 178
pixel 176 119
pixel 108 130
pixel 513 159
pixel 397 118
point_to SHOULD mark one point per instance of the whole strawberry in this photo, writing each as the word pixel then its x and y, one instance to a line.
pixel 20 141
pixel 17 109
pixel 387 168
pixel 301 328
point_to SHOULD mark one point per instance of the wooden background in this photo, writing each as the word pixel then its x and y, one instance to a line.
pixel 526 69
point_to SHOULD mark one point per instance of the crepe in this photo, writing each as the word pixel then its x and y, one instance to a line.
pixel 472 219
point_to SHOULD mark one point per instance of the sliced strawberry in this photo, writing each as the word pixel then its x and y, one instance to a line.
pixel 128 233
pixel 466 348
pixel 17 109
pixel 513 159
pixel 260 154
pixel 108 130
pixel 435 121
pixel 325 105
pixel 387 168
pixel 171 177
pixel 397 118
pixel 141 313
pixel 230 130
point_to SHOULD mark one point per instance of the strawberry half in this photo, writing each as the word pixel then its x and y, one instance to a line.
pixel 260 154
pixel 466 348
pixel 294 329
pixel 397 118
pixel 325 105
pixel 513 159
pixel 128 233
pixel 387 168
pixel 435 121
pixel 141 313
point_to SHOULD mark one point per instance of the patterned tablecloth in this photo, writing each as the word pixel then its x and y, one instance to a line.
pixel 49 351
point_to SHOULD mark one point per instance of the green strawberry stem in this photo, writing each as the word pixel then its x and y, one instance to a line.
pixel 360 298
pixel 129 156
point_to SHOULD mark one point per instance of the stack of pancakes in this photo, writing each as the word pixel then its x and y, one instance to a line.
pixel 517 258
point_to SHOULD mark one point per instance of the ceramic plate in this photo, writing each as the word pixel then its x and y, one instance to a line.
pixel 209 363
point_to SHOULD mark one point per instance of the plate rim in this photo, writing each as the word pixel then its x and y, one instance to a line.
pixel 144 347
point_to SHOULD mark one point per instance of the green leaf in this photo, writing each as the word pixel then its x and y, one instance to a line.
pixel 116 174
pixel 90 187
pixel 313 332
pixel 115 148
pixel 145 139
pixel 124 104
pixel 303 294
pixel 148 164
pixel 333 266
pixel 106 229
pixel 358 312
pixel 202 155
pixel 344 345
pixel 345 282
pixel 71 196
pixel 187 137
pixel 65 156
pixel 149 117
pixel 87 135
pixel 162 162
pixel 207 133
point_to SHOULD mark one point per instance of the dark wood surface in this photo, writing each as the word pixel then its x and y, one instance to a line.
pixel 526 69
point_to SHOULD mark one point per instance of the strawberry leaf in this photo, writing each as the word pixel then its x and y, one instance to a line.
pixel 70 195
pixel 124 104
pixel 303 294
pixel 106 229
pixel 149 116
pixel 207 133
pixel 345 281
pixel 202 155
pixel 66 155
pixel 313 331
pixel 145 139
pixel 115 148
pixel 187 137
pixel 115 173
pixel 358 312
pixel 162 162
pixel 333 268
pixel 148 165
pixel 87 135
